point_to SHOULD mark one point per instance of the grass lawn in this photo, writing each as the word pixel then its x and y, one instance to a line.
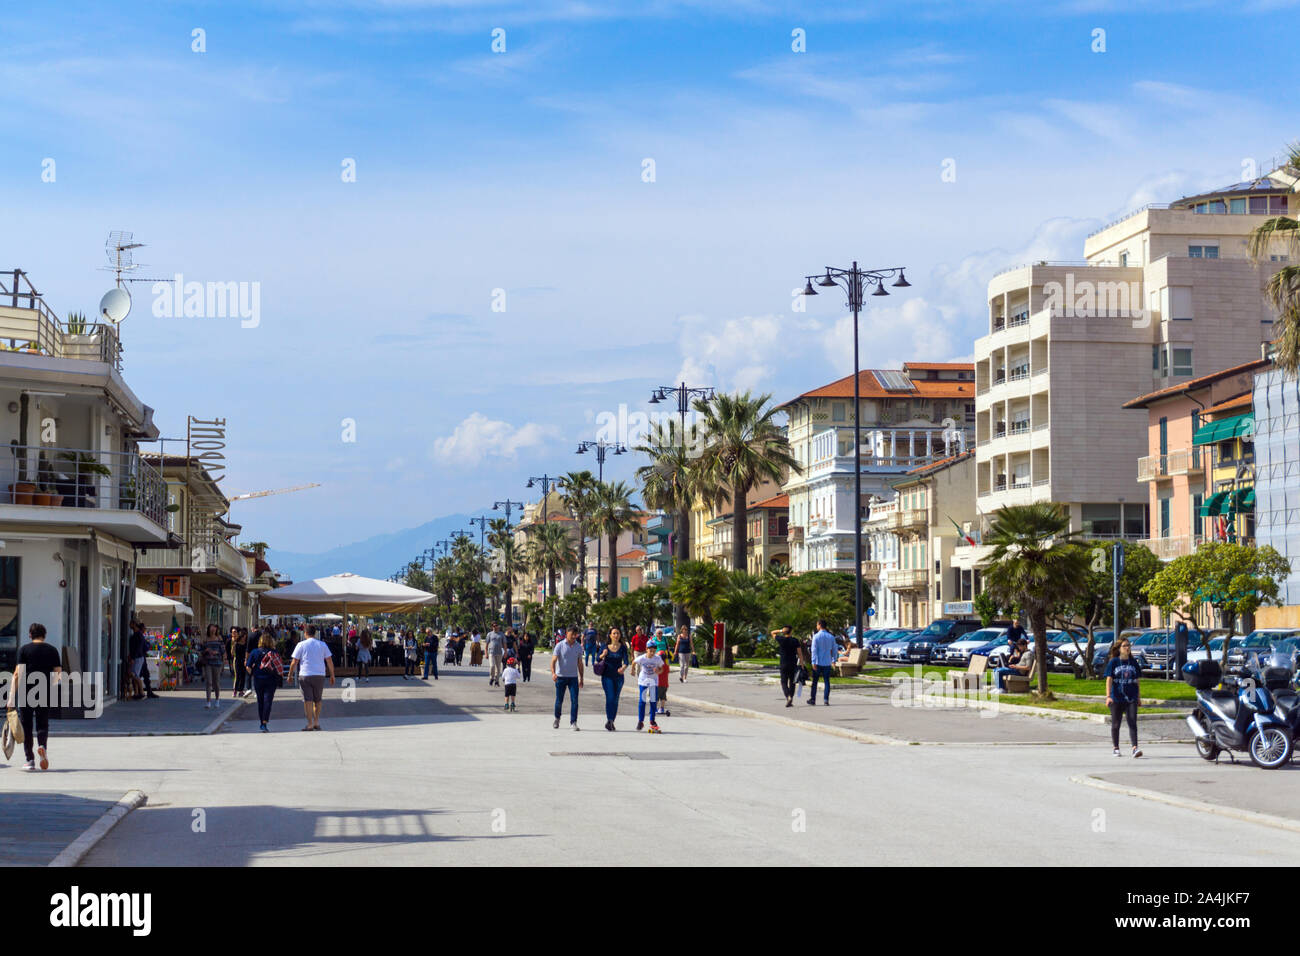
pixel 1079 706
pixel 1059 683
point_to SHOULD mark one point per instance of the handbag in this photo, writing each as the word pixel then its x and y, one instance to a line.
pixel 15 725
pixel 6 741
pixel 598 668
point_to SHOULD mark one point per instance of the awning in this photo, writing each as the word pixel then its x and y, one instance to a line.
pixel 1224 429
pixel 1243 499
pixel 1214 505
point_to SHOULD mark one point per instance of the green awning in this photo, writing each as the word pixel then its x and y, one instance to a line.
pixel 1224 429
pixel 1243 499
pixel 1214 505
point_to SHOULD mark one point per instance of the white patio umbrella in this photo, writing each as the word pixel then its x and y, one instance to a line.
pixel 157 610
pixel 342 593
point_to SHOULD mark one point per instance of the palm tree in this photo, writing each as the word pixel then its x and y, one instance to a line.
pixel 745 447
pixel 1035 566
pixel 578 490
pixel 612 514
pixel 510 561
pixel 672 482
pixel 699 586
pixel 549 551
pixel 1283 289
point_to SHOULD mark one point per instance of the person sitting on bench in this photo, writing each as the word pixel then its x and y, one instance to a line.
pixel 1020 663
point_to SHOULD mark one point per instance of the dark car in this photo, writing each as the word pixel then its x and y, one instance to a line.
pixel 1257 641
pixel 886 636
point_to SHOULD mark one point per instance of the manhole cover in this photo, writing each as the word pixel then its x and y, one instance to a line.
pixel 680 755
pixel 587 753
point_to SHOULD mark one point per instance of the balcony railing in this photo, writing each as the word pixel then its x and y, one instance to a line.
pixel 28 325
pixel 1180 462
pixel 76 478
pixel 202 551
pixel 871 571
pixel 1166 549
pixel 910 580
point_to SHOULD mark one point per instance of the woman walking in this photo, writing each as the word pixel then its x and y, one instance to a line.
pixel 525 655
pixel 364 645
pixel 32 691
pixel 408 647
pixel 267 674
pixel 212 658
pixel 614 658
pixel 238 654
pixel 1123 676
pixel 684 653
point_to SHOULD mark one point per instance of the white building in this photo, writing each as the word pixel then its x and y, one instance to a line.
pixel 76 500
pixel 1277 485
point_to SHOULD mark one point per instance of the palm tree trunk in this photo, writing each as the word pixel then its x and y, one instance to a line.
pixel 739 537
pixel 582 550
pixel 613 566
pixel 682 545
pixel 1038 621
pixel 550 579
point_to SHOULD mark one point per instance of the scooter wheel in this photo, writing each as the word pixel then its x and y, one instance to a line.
pixel 1207 749
pixel 1270 748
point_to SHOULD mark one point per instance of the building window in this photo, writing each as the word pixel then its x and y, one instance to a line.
pixel 1164 517
pixel 1123 259
pixel 622 584
pixel 10 591
pixel 837 412
pixel 1102 520
pixel 1182 364
pixel 1203 252
pixel 1237 206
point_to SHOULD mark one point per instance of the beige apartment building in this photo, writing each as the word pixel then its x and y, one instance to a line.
pixel 928 519
pixel 1163 295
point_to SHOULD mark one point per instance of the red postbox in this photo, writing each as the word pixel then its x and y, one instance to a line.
pixel 719 635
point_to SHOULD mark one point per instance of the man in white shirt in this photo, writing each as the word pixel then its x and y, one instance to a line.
pixel 311 663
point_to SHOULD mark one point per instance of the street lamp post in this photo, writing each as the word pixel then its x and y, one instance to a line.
pixel 684 394
pixel 602 448
pixel 546 481
pixel 854 281
pixel 507 506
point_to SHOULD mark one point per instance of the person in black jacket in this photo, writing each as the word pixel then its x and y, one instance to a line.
pixel 524 652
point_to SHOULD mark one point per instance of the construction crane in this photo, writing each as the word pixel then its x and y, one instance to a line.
pixel 273 491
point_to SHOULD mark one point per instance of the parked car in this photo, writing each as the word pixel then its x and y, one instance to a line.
pixel 1101 654
pixel 900 649
pixel 999 652
pixel 1258 640
pixel 886 636
pixel 936 635
pixel 960 650
pixel 1069 653
pixel 1215 652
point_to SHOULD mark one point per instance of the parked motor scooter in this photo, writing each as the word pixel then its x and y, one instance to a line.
pixel 1242 717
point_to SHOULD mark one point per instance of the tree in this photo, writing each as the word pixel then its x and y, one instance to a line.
pixel 744 447
pixel 612 514
pixel 550 551
pixel 510 562
pixel 1034 565
pixel 799 602
pixel 672 482
pixel 988 609
pixel 1282 233
pixel 698 586
pixel 1094 604
pixel 744 609
pixel 579 496
pixel 1234 579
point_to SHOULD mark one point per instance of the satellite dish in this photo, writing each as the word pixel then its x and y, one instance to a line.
pixel 115 305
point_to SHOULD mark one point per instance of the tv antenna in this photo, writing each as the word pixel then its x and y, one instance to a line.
pixel 120 249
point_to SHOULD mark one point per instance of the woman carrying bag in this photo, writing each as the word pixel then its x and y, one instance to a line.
pixel 267 672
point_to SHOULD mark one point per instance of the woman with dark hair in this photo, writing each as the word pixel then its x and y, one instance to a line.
pixel 212 658
pixel 364 645
pixel 238 654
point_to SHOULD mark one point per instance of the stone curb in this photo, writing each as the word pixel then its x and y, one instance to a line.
pixel 213 726
pixel 73 853
pixel 1185 803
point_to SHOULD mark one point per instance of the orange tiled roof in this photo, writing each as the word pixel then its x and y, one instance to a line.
pixel 632 555
pixel 1238 401
pixel 1191 385
pixel 778 501
pixel 869 387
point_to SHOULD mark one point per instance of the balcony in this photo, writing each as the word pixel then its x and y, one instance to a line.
pixel 659 525
pixel 203 553
pixel 1166 549
pixel 913 580
pixel 113 491
pixel 29 327
pixel 871 571
pixel 1182 462
pixel 796 534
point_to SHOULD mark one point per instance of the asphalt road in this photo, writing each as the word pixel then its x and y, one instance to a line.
pixel 414 773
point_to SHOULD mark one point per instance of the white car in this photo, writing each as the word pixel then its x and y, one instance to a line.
pixel 999 654
pixel 1215 652
pixel 959 651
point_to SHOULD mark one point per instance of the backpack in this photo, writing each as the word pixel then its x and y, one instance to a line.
pixel 266 664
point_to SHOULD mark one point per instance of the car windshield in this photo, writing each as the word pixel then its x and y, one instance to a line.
pixel 938 628
pixel 1260 638
pixel 1150 637
pixel 981 637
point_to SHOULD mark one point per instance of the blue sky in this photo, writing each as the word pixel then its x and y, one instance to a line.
pixel 522 171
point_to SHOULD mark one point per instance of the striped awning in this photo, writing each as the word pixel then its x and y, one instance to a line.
pixel 1224 429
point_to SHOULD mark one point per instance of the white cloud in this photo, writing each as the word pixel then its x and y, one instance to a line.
pixel 479 437
pixel 740 353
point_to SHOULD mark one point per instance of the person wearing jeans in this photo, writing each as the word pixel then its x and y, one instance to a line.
pixel 614 657
pixel 684 653
pixel 567 672
pixel 1123 694
pixel 266 671
pixel 824 651
pixel 430 655
pixel 38 664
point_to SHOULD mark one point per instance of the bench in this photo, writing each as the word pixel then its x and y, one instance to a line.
pixel 972 678
pixel 1016 684
pixel 849 668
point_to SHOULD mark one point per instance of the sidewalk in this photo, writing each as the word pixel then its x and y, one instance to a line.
pixel 61 819
pixel 867 713
pixel 174 712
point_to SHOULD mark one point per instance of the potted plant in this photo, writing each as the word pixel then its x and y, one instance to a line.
pixel 85 468
pixel 76 338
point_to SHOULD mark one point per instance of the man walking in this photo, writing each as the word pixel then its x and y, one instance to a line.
pixel 790 652
pixel 496 645
pixel 32 691
pixel 824 651
pixel 430 654
pixel 567 672
pixel 311 663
